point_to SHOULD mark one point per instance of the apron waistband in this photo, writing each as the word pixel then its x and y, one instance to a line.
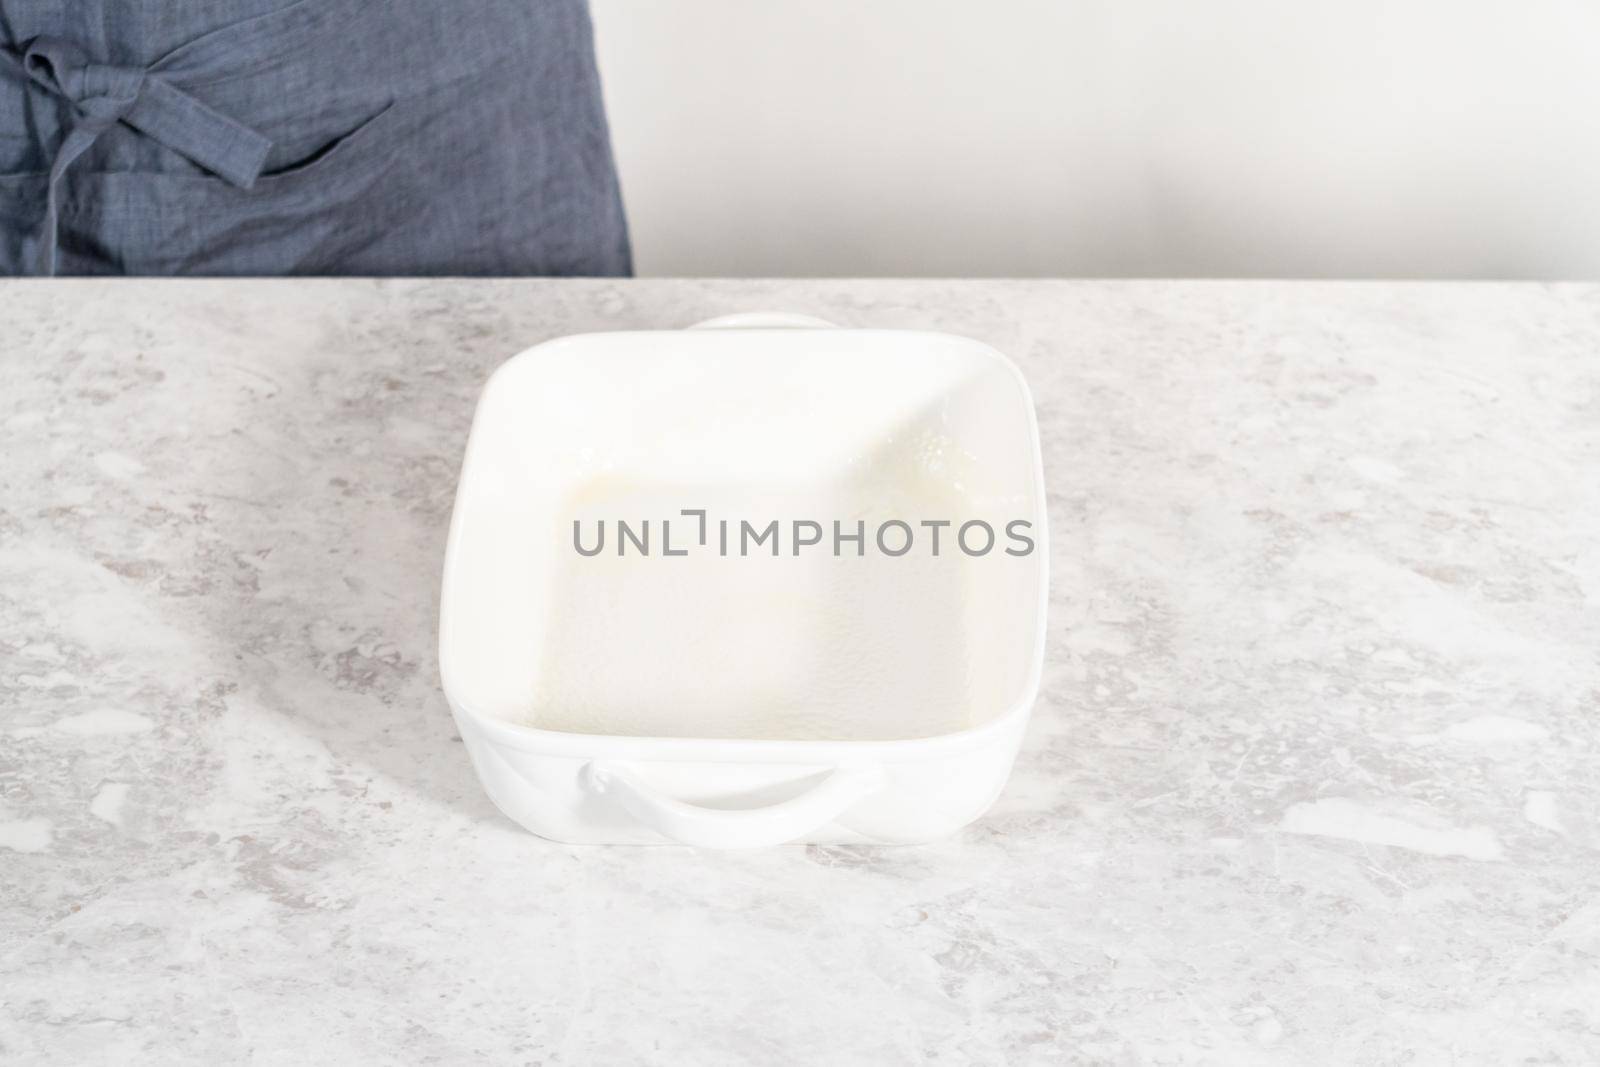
pixel 104 95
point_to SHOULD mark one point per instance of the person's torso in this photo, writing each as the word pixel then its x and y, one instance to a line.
pixel 375 110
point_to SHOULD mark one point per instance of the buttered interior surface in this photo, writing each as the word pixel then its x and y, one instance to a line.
pixel 814 646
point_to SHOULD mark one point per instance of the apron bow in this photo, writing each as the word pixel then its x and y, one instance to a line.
pixel 104 94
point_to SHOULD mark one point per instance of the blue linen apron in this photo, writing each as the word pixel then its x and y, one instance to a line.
pixel 265 137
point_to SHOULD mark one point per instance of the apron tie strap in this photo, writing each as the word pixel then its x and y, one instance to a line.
pixel 104 95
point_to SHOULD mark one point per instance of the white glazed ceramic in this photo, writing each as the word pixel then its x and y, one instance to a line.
pixel 738 700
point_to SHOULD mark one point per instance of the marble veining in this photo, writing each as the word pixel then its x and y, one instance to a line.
pixel 1312 777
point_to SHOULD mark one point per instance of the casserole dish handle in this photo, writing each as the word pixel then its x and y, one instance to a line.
pixel 773 824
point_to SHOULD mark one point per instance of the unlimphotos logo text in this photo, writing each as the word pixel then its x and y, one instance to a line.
pixel 794 537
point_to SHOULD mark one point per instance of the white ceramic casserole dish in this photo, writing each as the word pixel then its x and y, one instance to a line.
pixel 655 623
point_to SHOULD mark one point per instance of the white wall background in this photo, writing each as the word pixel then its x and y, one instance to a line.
pixel 1407 138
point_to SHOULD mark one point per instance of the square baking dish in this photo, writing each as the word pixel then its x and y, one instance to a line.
pixel 758 582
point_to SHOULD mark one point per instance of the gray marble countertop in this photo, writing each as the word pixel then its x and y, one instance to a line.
pixel 1312 777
